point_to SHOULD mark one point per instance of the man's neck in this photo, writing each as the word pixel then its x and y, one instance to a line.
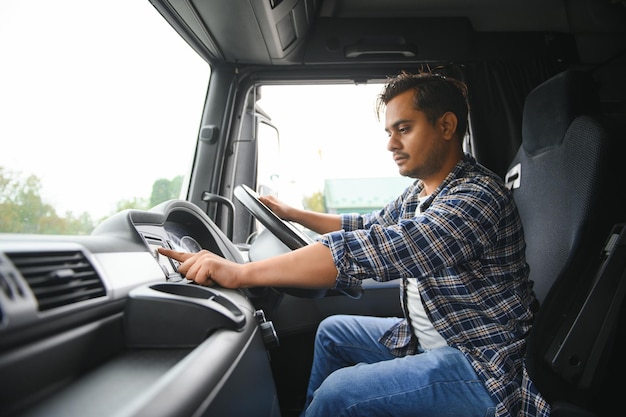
pixel 431 183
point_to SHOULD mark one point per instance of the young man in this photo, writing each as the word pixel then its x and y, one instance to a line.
pixel 455 240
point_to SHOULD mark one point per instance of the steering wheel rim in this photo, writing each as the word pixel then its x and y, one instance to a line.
pixel 283 230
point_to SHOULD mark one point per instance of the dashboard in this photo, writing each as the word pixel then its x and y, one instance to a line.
pixel 181 226
pixel 104 320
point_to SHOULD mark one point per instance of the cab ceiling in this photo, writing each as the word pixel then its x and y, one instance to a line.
pixel 277 32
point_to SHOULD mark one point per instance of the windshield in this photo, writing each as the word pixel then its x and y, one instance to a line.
pixel 101 105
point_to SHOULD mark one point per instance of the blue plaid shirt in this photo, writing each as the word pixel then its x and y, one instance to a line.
pixel 466 249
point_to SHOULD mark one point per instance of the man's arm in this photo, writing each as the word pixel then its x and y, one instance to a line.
pixel 318 222
pixel 309 267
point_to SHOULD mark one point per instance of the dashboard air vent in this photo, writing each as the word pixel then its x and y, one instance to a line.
pixel 58 278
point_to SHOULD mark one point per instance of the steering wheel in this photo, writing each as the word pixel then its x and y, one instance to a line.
pixel 286 232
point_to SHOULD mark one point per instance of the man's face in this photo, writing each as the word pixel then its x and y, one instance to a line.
pixel 419 148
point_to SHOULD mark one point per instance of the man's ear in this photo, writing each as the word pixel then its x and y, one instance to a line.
pixel 447 123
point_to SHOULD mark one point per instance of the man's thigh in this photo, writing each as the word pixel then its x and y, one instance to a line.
pixel 354 339
pixel 439 382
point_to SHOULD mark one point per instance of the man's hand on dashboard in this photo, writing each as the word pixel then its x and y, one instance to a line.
pixel 205 268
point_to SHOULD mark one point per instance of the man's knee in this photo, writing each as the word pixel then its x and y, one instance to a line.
pixel 329 326
pixel 332 322
pixel 332 394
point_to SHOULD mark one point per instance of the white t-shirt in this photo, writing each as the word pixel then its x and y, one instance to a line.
pixel 428 336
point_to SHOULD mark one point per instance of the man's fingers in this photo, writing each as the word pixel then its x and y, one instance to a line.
pixel 197 267
pixel 179 256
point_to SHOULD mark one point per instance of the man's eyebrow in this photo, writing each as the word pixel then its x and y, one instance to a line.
pixel 398 123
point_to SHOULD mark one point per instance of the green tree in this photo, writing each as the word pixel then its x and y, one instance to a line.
pixel 22 209
pixel 315 202
pixel 132 203
pixel 163 190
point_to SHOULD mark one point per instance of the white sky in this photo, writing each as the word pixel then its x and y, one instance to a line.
pixel 335 123
pixel 138 106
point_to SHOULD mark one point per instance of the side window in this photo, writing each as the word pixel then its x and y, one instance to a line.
pixel 332 155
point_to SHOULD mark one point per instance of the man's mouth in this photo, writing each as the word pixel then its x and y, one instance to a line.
pixel 399 159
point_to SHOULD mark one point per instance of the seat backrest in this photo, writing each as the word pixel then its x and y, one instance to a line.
pixel 562 178
pixel 557 173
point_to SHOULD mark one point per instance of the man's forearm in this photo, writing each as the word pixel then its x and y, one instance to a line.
pixel 318 222
pixel 309 267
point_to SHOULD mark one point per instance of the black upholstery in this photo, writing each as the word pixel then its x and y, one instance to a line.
pixel 562 157
pixel 563 179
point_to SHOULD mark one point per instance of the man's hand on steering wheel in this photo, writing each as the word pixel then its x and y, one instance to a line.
pixel 279 208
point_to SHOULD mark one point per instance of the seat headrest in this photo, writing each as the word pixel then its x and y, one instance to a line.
pixel 551 107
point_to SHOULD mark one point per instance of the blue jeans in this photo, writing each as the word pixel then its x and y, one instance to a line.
pixel 355 375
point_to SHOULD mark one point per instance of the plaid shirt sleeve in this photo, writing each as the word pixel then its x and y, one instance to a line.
pixel 459 225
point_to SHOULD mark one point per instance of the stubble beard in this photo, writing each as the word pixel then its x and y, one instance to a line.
pixel 432 164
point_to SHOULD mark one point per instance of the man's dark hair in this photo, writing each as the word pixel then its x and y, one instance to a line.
pixel 435 95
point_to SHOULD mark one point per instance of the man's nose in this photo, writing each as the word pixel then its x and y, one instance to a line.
pixel 392 142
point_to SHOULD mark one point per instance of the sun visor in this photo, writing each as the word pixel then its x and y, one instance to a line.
pixel 241 31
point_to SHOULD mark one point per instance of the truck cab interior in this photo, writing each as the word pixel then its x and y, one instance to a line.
pixel 100 324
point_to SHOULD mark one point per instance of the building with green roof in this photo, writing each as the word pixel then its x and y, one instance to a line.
pixel 362 195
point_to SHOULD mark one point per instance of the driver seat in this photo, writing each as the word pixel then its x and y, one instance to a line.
pixel 563 179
